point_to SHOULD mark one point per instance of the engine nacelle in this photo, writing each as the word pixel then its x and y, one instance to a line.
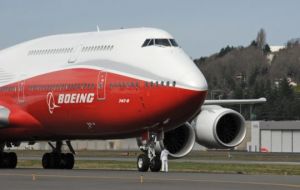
pixel 218 127
pixel 180 141
pixel 4 116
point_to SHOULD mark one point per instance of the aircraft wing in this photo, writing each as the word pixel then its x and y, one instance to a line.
pixel 235 101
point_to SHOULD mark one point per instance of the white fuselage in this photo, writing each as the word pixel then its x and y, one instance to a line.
pixel 117 51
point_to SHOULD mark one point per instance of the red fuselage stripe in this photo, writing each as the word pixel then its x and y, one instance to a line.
pixel 91 104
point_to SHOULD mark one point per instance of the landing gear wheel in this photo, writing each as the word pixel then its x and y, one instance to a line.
pixel 54 160
pixel 8 160
pixel 155 164
pixel 143 163
pixel 62 161
pixel 69 161
pixel 13 160
pixel 58 161
pixel 1 160
pixel 51 161
pixel 4 160
pixel 46 161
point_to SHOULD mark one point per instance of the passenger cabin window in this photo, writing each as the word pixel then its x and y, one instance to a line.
pixel 161 42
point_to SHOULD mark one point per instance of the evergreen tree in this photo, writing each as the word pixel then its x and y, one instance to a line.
pixel 261 39
pixel 253 43
pixel 267 49
pixel 285 89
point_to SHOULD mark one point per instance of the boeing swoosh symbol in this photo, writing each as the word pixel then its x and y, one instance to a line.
pixel 51 102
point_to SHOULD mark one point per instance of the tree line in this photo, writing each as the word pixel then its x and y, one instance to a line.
pixel 253 72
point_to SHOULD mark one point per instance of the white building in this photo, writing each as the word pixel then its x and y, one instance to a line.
pixel 274 136
pixel 274 49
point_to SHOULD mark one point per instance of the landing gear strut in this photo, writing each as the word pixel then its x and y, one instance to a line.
pixel 7 159
pixel 149 159
pixel 58 160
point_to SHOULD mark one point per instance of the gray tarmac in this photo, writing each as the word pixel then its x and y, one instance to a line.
pixel 104 179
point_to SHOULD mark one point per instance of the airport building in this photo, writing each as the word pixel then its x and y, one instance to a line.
pixel 274 136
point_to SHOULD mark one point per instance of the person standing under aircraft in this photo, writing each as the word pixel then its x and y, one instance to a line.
pixel 164 159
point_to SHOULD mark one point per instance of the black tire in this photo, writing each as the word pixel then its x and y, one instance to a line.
pixel 1 159
pixel 62 163
pixel 143 163
pixel 58 161
pixel 69 158
pixel 5 161
pixel 55 160
pixel 46 161
pixel 13 160
pixel 155 164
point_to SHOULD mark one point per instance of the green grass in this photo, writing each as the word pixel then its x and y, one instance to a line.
pixel 237 168
pixel 183 167
pixel 195 155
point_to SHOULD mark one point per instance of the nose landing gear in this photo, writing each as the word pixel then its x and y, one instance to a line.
pixel 149 159
pixel 155 164
pixel 58 160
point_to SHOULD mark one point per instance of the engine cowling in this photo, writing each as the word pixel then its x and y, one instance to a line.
pixel 4 116
pixel 218 127
pixel 180 141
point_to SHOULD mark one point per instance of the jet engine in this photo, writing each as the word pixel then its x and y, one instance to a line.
pixel 180 141
pixel 218 127
pixel 4 116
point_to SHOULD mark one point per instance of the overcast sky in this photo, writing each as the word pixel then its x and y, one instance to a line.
pixel 201 27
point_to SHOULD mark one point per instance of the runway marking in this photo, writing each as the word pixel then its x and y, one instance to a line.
pixel 150 179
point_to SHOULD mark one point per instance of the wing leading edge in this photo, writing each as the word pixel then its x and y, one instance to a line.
pixel 235 101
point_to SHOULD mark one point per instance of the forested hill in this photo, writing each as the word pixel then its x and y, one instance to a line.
pixel 254 71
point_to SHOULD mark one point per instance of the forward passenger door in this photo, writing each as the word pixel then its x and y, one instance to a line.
pixel 101 84
pixel 21 91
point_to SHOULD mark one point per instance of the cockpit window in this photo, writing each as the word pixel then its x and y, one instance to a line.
pixel 151 43
pixel 146 43
pixel 161 42
pixel 174 43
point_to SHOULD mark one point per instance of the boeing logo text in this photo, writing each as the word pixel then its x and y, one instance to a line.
pixel 75 98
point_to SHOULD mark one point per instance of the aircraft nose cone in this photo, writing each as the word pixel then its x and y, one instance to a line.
pixel 195 80
pixel 195 90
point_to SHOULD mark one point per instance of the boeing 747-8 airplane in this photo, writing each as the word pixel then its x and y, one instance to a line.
pixel 109 85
